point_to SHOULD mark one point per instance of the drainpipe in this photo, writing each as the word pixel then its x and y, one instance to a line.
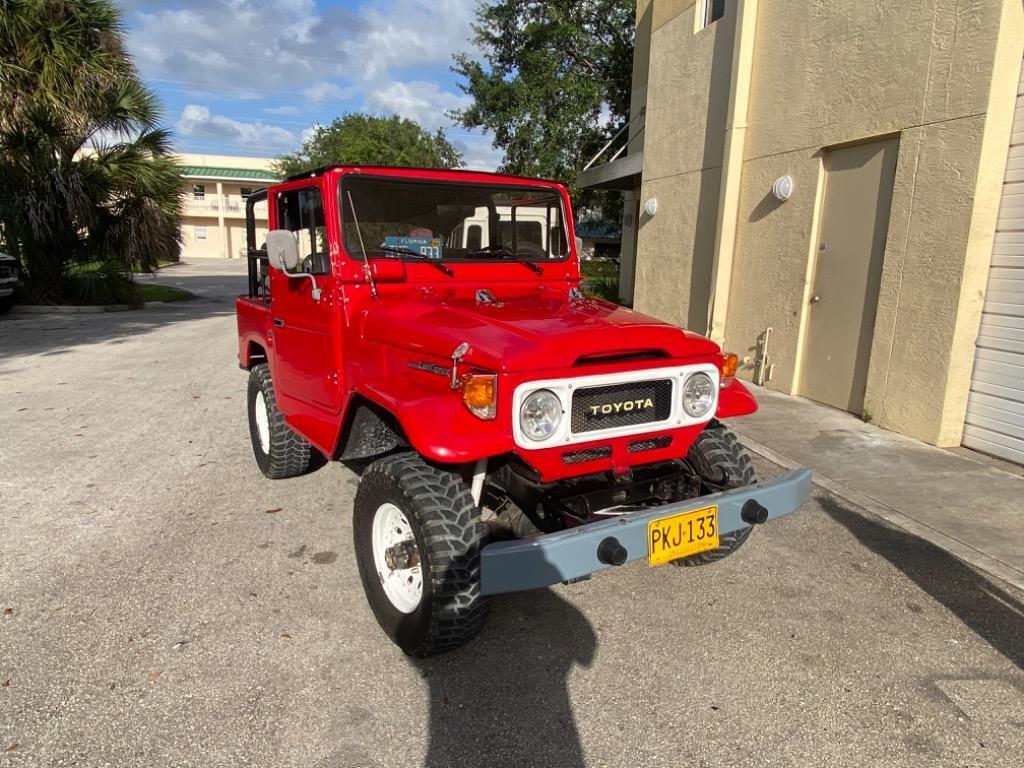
pixel 732 167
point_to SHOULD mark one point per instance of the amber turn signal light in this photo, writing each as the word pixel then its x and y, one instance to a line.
pixel 730 362
pixel 479 393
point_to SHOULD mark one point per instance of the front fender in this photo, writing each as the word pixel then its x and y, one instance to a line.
pixel 435 421
pixel 735 400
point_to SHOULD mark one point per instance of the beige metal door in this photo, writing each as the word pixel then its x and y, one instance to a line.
pixel 844 299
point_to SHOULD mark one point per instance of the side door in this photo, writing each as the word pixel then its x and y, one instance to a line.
pixel 306 337
pixel 854 226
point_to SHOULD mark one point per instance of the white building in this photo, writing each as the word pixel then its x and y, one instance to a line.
pixel 213 215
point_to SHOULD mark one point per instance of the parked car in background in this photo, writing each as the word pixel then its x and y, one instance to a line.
pixel 8 282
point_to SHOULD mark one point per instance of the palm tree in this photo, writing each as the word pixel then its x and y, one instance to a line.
pixel 86 173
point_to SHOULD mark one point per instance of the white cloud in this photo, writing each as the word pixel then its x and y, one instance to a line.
pixel 308 133
pixel 402 34
pixel 477 152
pixel 287 109
pixel 293 45
pixel 198 122
pixel 386 56
pixel 421 101
pixel 324 91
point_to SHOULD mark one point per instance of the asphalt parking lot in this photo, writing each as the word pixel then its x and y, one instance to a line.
pixel 165 605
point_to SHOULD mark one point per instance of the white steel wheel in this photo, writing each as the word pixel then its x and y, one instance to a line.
pixel 396 558
pixel 262 422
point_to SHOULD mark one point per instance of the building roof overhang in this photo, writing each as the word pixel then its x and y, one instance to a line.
pixel 211 173
pixel 623 174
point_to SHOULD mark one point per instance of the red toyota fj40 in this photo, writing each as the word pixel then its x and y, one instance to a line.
pixel 429 329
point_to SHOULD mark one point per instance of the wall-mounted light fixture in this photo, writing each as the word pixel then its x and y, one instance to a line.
pixel 783 188
pixel 651 206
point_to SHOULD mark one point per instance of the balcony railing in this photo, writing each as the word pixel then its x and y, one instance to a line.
pixel 233 204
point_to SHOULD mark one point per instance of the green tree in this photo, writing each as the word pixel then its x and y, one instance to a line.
pixel 368 140
pixel 86 174
pixel 554 82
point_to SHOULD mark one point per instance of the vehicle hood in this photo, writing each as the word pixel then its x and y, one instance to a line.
pixel 525 332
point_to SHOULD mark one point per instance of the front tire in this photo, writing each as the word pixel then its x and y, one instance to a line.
pixel 279 452
pixel 418 537
pixel 6 304
pixel 715 454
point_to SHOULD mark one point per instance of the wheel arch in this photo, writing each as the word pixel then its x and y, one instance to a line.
pixel 252 352
pixel 368 430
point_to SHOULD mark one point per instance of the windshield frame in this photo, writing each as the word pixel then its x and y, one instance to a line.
pixel 523 185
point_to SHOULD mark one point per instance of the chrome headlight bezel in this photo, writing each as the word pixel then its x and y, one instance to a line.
pixel 707 394
pixel 549 403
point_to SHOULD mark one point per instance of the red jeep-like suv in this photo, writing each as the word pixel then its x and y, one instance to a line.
pixel 429 329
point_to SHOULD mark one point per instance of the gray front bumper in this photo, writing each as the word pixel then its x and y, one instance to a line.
pixel 511 566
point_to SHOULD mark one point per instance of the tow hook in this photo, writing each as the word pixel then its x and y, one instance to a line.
pixel 611 552
pixel 753 513
pixel 402 555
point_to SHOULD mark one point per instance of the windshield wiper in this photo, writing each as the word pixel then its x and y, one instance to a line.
pixel 504 253
pixel 401 250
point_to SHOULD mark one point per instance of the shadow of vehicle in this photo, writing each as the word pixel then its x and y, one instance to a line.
pixel 995 614
pixel 503 699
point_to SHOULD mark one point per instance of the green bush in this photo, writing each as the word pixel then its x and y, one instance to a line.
pixel 105 284
pixel 604 287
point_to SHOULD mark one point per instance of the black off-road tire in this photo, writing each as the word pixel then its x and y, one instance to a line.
pixel 716 451
pixel 6 304
pixel 448 533
pixel 287 455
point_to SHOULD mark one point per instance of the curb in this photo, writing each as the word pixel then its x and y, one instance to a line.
pixel 57 309
pixel 65 310
pixel 959 549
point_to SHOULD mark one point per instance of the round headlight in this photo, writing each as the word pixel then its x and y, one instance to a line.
pixel 698 395
pixel 540 415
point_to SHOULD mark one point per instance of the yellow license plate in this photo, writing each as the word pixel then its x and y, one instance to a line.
pixel 669 538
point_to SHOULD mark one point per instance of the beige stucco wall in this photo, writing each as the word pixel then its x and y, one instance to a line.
pixel 686 110
pixel 191 246
pixel 940 74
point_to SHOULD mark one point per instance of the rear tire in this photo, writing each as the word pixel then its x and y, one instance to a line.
pixel 435 606
pixel 279 452
pixel 6 303
pixel 716 451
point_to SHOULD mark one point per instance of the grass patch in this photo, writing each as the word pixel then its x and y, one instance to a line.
pixel 601 279
pixel 156 292
pixel 599 270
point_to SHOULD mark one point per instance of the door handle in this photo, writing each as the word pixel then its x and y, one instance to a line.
pixel 278 322
pixel 815 299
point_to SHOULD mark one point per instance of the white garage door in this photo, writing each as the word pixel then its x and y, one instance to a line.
pixel 995 411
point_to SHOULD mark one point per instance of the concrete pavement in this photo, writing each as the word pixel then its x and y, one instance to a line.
pixel 964 502
pixel 169 606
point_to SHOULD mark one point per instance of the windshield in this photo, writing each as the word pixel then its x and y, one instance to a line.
pixel 449 221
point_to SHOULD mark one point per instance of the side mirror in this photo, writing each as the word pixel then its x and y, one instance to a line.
pixel 283 250
pixel 579 246
pixel 283 254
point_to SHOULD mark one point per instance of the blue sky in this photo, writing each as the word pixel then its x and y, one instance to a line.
pixel 251 77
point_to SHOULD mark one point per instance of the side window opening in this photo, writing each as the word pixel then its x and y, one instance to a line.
pixel 302 211
pixel 555 238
